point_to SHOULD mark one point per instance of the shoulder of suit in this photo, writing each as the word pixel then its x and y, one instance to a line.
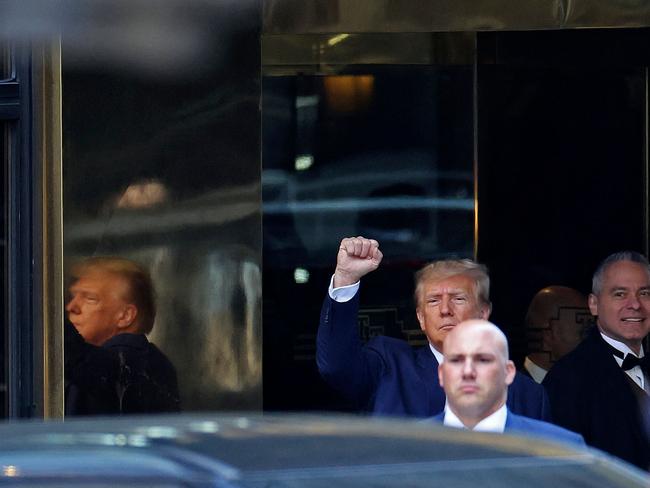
pixel 389 343
pixel 540 425
pixel 526 382
pixel 127 340
pixel 587 357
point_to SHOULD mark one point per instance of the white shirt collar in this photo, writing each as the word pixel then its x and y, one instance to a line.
pixel 492 423
pixel 439 357
pixel 621 346
pixel 635 373
pixel 536 372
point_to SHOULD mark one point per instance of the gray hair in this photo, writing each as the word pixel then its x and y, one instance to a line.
pixel 439 270
pixel 631 256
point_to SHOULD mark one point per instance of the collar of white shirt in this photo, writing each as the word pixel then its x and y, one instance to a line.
pixel 621 346
pixel 493 423
pixel 439 357
pixel 635 373
pixel 536 372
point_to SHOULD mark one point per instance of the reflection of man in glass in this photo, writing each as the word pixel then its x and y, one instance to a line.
pixel 556 322
pixel 110 366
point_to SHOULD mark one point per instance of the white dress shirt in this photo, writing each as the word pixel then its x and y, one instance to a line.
pixel 493 423
pixel 536 372
pixel 343 294
pixel 635 373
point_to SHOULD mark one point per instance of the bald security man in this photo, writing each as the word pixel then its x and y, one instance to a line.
pixel 475 376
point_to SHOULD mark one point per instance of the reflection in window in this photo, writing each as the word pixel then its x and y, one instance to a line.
pixel 384 154
pixel 380 151
pixel 164 171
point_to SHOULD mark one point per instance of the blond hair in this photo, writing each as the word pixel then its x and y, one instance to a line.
pixel 440 270
pixel 140 287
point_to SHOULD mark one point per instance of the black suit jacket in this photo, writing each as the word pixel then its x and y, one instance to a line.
pixel 127 374
pixel 590 394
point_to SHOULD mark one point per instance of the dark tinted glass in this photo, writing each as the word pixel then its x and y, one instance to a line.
pixel 5 74
pixel 561 152
pixel 380 151
pixel 6 61
pixel 4 156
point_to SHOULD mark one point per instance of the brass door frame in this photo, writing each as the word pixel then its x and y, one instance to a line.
pixel 48 223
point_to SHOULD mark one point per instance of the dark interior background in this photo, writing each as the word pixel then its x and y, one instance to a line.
pixel 560 151
pixel 561 137
pixel 382 165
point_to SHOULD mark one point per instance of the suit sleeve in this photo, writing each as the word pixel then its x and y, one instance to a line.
pixel 343 362
pixel 527 426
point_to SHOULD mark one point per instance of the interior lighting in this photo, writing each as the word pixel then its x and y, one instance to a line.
pixel 304 162
pixel 300 275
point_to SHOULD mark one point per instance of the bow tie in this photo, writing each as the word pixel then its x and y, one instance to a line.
pixel 630 360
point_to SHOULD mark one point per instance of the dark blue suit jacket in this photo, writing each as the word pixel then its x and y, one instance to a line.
pixel 127 374
pixel 389 377
pixel 590 394
pixel 516 424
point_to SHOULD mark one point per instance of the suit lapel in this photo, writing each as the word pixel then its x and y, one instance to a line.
pixel 617 384
pixel 428 372
pixel 614 369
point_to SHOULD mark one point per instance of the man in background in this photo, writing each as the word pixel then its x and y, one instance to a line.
pixel 556 322
pixel 601 388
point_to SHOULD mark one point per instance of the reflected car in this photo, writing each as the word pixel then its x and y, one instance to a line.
pixel 418 210
pixel 290 451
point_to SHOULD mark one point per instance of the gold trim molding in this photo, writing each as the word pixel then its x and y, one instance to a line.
pixel 47 133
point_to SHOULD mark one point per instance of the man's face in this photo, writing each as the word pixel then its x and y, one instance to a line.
pixel 445 303
pixel 97 307
pixel 623 304
pixel 475 373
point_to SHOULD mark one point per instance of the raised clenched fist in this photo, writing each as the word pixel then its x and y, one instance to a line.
pixel 357 257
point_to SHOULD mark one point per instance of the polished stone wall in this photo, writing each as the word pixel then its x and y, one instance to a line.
pixel 162 166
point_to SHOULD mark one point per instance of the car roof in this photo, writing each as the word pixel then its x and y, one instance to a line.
pixel 292 450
